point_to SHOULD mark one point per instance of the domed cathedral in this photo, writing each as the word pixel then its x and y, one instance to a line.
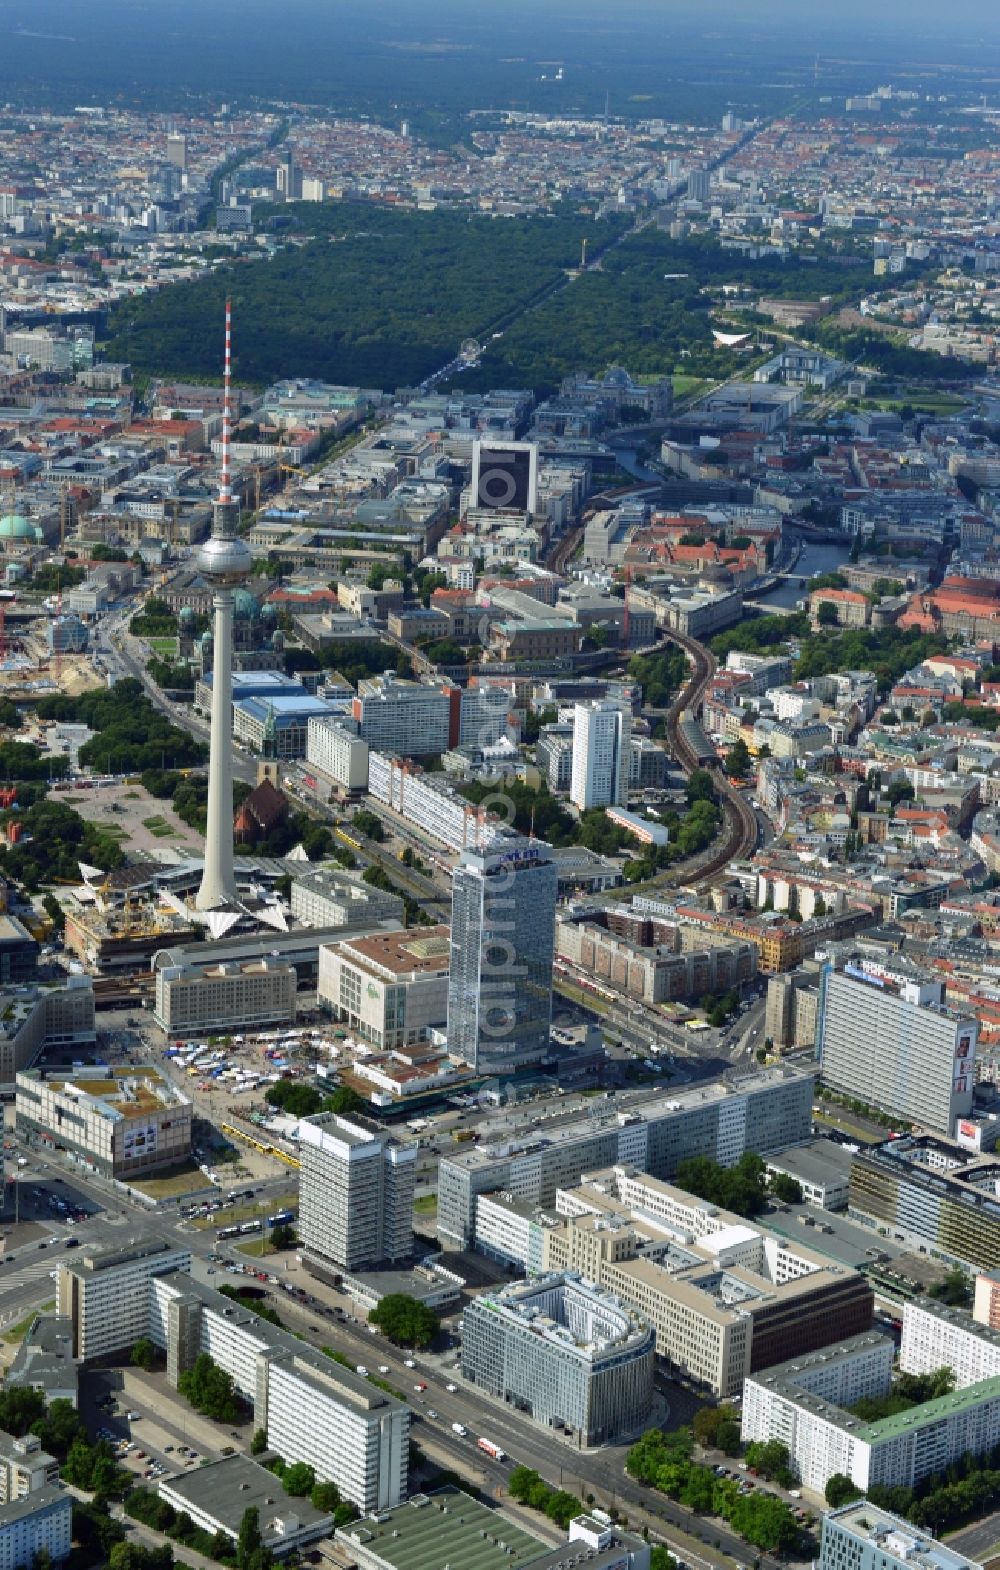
pixel 258 643
pixel 16 529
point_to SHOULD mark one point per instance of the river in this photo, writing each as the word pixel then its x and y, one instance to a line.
pixel 628 459
pixel 815 557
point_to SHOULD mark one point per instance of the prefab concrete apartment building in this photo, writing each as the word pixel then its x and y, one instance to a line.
pixel 890 1041
pixel 804 1404
pixel 355 1192
pixel 763 1111
pixel 312 1409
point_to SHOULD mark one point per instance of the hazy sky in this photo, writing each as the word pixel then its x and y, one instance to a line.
pixel 453 54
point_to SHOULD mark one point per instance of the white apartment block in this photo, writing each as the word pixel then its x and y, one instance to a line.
pixel 107 1296
pixel 41 1523
pixel 510 1232
pixel 312 1409
pixel 407 717
pixel 391 988
pixel 231 995
pixel 355 1192
pixel 937 1337
pixel 924 1069
pixel 338 753
pixel 428 802
pixel 361 1444
pixel 601 754
pixel 803 1404
pixel 486 716
pixel 25 1467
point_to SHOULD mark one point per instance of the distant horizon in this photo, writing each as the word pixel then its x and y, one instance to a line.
pixel 670 58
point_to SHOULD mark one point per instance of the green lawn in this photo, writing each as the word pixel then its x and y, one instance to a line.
pixel 256 1248
pixel 426 1205
pixel 163 646
pixel 158 827
pixel 686 386
pixel 20 1330
pixel 929 402
pixel 188 1180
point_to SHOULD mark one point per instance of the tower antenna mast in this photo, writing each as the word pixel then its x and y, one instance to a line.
pixel 225 561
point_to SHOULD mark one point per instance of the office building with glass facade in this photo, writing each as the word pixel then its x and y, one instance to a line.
pixel 502 948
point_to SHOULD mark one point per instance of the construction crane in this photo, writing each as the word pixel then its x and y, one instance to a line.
pixel 283 467
pixel 57 630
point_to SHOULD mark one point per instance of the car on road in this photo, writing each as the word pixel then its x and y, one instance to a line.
pixel 420 1385
pixel 409 1363
pixel 383 1368
pixel 459 1429
pixel 451 1389
pixel 431 1412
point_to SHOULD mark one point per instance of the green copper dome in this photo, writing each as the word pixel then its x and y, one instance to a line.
pixel 15 526
pixel 245 606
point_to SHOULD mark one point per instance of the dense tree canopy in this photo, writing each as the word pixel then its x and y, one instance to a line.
pixel 210 1390
pixel 377 296
pixel 132 734
pixel 405 1320
pixel 663 1461
pixel 55 839
pixel 739 1188
pixel 888 653
pixel 302 1101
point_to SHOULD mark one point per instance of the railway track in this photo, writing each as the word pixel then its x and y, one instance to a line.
pixel 564 549
pixel 739 835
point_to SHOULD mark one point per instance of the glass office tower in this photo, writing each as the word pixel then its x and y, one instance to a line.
pixel 503 918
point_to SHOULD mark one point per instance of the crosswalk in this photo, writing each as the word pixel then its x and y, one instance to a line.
pixel 30 1270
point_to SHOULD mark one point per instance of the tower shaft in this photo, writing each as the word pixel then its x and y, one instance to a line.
pixel 225 561
pixel 218 882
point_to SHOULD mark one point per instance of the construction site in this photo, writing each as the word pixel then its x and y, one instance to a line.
pixel 42 644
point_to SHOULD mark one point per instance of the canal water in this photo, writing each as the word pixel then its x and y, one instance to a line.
pixel 815 557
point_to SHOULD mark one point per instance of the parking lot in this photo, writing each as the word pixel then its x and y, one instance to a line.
pixel 153 1430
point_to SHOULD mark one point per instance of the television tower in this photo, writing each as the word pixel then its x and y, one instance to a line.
pixel 225 561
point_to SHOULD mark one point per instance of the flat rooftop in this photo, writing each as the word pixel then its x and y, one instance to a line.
pixel 424 952
pixel 447 1527
pixel 122 1091
pixel 350 1387
pixel 621 1110
pixel 12 930
pixel 225 1488
pixel 890 1534
pixel 818 1161
pixel 44 1360
pixel 785 1379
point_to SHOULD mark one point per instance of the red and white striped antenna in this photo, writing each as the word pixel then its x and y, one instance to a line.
pixel 225 484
